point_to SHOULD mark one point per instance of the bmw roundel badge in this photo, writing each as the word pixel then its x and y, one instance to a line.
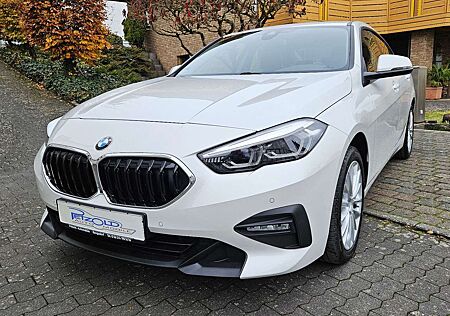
pixel 103 143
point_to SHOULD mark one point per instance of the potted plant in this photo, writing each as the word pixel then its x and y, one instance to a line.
pixel 434 90
pixel 438 80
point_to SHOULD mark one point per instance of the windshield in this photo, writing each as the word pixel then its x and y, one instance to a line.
pixel 271 51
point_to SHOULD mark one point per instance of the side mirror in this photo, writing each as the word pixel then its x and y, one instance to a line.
pixel 389 66
pixel 173 69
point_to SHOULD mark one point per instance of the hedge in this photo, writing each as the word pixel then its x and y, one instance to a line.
pixel 118 67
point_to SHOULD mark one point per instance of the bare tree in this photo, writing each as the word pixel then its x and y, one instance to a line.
pixel 178 18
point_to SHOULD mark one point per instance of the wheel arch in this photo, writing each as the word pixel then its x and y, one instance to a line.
pixel 359 141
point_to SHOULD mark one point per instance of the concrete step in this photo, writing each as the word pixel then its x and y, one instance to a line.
pixel 161 73
pixel 156 63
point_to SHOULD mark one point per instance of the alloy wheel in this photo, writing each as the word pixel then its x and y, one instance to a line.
pixel 410 131
pixel 351 207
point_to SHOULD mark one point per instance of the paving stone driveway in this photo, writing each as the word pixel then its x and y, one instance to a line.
pixel 417 191
pixel 396 270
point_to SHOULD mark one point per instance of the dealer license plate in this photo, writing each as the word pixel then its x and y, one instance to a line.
pixel 103 222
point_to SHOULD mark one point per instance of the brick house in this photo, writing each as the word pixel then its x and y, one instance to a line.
pixel 168 49
pixel 419 29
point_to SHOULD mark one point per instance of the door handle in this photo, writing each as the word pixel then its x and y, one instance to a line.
pixel 396 86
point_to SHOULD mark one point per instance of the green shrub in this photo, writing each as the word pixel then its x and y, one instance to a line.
pixel 134 31
pixel 433 83
pixel 117 68
pixel 439 76
pixel 115 40
pixel 127 64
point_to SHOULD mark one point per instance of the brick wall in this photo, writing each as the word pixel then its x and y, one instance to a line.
pixel 168 49
pixel 422 46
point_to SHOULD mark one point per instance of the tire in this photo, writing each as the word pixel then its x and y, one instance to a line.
pixel 338 249
pixel 406 150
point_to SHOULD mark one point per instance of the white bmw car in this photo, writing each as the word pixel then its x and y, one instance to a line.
pixel 252 159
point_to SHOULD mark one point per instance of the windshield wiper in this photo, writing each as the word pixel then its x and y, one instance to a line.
pixel 249 73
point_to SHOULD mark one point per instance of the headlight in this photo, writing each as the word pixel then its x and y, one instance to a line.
pixel 286 142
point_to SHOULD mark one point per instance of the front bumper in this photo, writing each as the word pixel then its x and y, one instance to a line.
pixel 215 204
pixel 191 255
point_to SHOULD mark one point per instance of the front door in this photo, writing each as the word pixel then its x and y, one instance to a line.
pixel 385 94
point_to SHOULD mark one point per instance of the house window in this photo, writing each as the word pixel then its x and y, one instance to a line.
pixel 438 56
pixel 182 58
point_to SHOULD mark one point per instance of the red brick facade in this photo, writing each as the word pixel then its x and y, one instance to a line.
pixel 169 50
pixel 422 47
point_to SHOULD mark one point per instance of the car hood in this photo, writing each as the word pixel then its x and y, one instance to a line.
pixel 251 102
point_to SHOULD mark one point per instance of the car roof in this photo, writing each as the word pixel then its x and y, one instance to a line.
pixel 357 24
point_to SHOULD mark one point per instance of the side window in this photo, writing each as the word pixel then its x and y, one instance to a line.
pixel 372 48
